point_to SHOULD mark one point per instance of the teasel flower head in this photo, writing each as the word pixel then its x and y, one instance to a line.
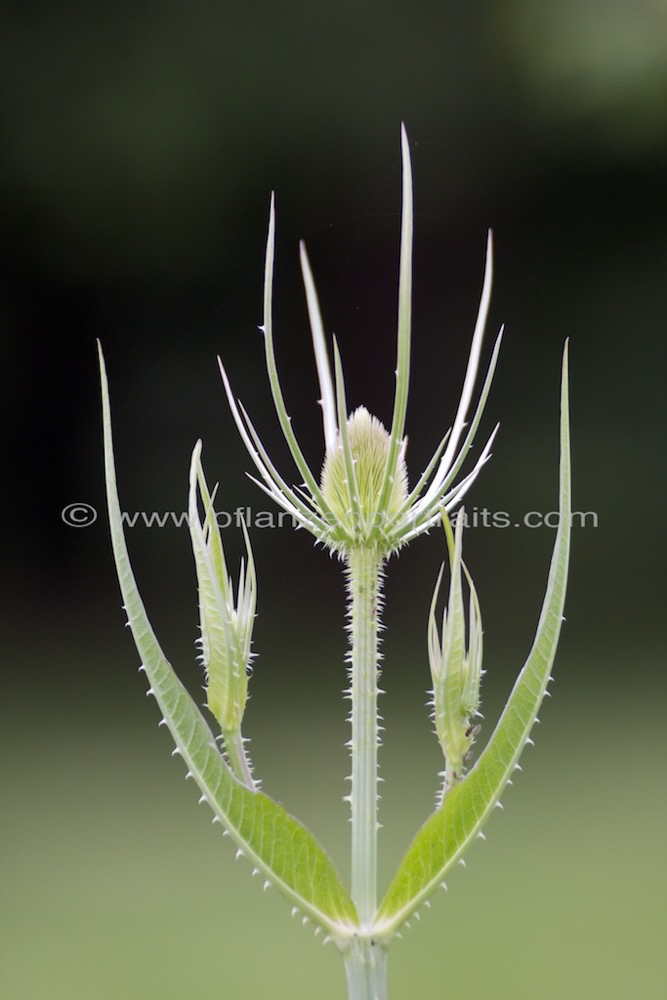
pixel 361 498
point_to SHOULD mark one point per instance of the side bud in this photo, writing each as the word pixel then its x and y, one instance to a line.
pixel 456 666
pixel 226 623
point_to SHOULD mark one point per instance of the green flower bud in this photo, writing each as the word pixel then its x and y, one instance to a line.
pixel 456 670
pixel 226 624
pixel 369 447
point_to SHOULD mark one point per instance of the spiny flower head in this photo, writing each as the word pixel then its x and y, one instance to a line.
pixel 368 445
pixel 363 497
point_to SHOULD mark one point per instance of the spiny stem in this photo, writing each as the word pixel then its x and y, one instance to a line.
pixel 366 971
pixel 364 573
pixel 238 759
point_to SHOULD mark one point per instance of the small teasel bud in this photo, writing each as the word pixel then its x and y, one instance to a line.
pixel 456 665
pixel 369 447
pixel 226 622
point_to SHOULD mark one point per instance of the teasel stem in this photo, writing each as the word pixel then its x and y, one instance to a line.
pixel 238 758
pixel 366 970
pixel 364 577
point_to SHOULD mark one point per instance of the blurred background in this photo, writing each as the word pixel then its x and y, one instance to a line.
pixel 142 143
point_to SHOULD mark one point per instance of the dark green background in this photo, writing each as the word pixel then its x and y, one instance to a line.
pixel 143 142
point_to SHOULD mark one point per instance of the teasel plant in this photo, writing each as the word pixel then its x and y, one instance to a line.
pixel 361 507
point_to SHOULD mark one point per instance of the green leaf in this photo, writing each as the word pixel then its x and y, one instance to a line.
pixel 466 807
pixel 283 850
